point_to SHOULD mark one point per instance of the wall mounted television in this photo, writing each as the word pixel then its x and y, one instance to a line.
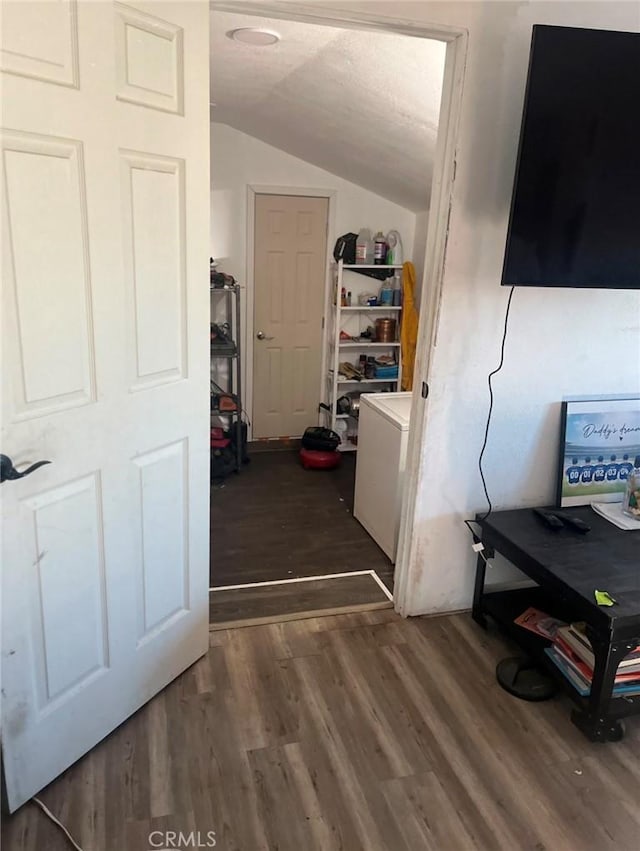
pixel 575 209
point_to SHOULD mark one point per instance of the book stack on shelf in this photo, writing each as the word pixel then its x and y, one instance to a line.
pixel 539 623
pixel 572 653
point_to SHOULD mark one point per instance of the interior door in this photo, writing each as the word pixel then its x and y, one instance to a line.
pixel 105 348
pixel 290 269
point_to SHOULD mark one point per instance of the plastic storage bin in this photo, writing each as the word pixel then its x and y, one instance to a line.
pixel 389 372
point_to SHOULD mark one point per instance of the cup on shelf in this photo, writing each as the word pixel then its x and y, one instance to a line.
pixel 365 299
pixel 385 330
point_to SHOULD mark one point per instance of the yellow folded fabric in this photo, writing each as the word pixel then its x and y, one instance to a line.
pixel 409 327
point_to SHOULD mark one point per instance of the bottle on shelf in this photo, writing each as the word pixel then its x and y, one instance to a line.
pixel 341 430
pixel 349 299
pixel 386 293
pixel 379 249
pixel 364 247
pixel 397 290
pixel 394 249
pixel 370 368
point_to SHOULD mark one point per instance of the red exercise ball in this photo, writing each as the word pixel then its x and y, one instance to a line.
pixel 313 459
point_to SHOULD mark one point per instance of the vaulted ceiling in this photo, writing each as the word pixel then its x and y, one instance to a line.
pixel 361 105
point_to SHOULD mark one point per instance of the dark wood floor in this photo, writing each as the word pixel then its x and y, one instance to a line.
pixel 358 732
pixel 276 520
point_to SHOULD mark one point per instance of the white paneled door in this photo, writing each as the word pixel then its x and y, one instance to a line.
pixel 105 181
pixel 289 276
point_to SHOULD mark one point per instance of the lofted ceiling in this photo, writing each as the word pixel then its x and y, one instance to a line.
pixel 361 105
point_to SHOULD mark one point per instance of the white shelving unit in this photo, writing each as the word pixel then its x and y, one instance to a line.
pixel 354 320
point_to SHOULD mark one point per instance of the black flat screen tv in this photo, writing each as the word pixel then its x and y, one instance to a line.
pixel 575 209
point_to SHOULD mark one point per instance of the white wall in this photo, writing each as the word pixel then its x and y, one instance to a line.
pixel 561 342
pixel 419 249
pixel 238 160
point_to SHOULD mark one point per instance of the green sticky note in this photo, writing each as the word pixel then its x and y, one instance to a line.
pixel 603 598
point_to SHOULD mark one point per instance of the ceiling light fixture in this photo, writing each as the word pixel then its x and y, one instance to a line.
pixel 254 35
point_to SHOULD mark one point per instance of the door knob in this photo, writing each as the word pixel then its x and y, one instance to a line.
pixel 262 336
pixel 8 471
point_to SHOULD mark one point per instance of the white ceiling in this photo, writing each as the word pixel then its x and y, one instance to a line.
pixel 361 105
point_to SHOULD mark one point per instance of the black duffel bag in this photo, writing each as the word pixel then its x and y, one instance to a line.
pixel 320 439
pixel 345 248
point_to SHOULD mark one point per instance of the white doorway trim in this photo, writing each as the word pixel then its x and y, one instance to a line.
pixel 409 558
pixel 249 338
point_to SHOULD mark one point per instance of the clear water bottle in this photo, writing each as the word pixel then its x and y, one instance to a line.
pixel 364 247
pixel 631 499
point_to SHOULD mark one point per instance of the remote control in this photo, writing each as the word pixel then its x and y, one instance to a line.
pixel 576 523
pixel 549 519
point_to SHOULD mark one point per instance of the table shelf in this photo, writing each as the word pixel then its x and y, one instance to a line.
pixel 379 308
pixel 377 266
pixel 504 606
pixel 368 381
pixel 352 344
pixel 566 568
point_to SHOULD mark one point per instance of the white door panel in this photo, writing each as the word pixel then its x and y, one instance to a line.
pixel 289 275
pixel 41 41
pixel 105 369
pixel 153 218
pixel 60 374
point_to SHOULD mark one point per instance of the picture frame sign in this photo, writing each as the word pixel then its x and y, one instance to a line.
pixel 599 441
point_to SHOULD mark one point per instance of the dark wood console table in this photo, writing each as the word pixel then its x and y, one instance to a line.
pixel 567 568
